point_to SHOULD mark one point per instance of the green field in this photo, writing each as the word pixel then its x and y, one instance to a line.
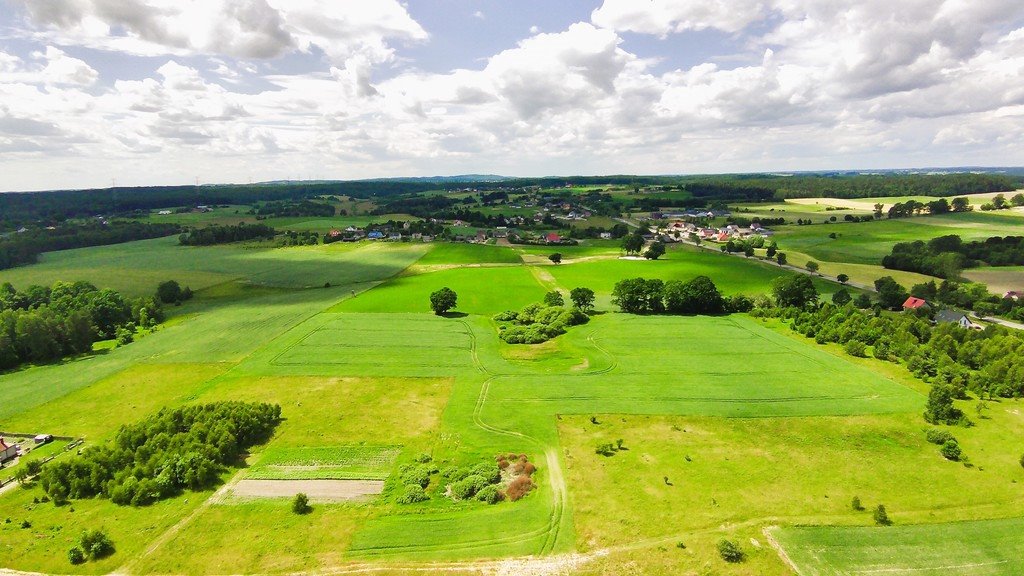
pixel 967 548
pixel 729 424
pixel 357 462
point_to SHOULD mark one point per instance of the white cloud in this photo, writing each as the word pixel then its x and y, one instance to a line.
pixel 661 17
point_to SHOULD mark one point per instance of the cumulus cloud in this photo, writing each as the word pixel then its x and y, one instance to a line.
pixel 661 17
pixel 253 29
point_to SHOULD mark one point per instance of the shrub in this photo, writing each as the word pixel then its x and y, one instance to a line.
pixel 96 544
pixel 605 449
pixel 489 494
pixel 855 348
pixel 75 555
pixel 468 487
pixel 502 463
pixel 937 436
pixel 424 458
pixel 488 471
pixel 518 488
pixel 951 450
pixel 881 516
pixel 419 475
pixel 1022 460
pixel 300 504
pixel 507 316
pixel 412 494
pixel 855 504
pixel 730 551
pixel 529 469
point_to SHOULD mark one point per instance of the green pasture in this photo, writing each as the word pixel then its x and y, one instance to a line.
pixel 976 548
pixel 136 268
pixel 485 291
pixel 447 253
pixel 352 462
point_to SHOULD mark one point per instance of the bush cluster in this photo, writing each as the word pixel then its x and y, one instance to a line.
pixel 538 323
pixel 730 551
pixel 179 448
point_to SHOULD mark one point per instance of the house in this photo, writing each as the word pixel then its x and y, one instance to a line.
pixel 164 212
pixel 375 235
pixel 913 303
pixel 7 451
pixel 334 233
pixel 953 316
pixel 606 235
pixel 43 438
pixel 553 238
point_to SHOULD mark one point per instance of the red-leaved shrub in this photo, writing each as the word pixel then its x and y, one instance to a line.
pixel 518 488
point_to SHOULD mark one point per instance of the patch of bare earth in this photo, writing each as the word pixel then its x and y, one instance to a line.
pixel 317 490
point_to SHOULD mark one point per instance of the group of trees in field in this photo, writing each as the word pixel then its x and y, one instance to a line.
pixel 934 207
pixel 947 256
pixel 225 234
pixel 654 296
pixel 989 362
pixel 45 324
pixel 295 208
pixel 19 248
pixel 999 202
pixel 173 450
pixel 540 322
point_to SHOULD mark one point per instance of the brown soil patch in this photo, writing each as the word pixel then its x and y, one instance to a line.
pixel 317 490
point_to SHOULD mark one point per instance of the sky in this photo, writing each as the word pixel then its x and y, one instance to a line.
pixel 165 92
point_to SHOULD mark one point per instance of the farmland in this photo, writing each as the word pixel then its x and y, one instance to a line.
pixel 728 424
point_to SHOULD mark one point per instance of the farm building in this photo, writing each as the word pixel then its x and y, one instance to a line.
pixel 553 238
pixel 7 451
pixel 913 303
pixel 953 316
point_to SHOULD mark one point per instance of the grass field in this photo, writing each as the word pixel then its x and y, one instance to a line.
pixel 729 424
pixel 353 462
pixel 967 548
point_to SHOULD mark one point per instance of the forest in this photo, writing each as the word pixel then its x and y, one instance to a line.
pixel 947 256
pixel 25 247
pixel 226 234
pixel 45 324
pixel 187 447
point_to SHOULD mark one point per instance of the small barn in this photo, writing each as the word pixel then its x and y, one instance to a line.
pixel 953 317
pixel 7 451
pixel 914 303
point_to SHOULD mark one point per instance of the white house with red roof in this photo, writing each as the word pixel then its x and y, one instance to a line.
pixel 7 451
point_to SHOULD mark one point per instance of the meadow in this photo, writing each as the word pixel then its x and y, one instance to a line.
pixel 729 424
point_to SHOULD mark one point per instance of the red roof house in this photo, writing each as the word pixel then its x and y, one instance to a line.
pixel 7 452
pixel 552 237
pixel 913 303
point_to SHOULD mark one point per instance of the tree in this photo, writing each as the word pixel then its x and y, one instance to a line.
pixel 798 291
pixel 1017 200
pixel 781 258
pixel 556 257
pixel 812 266
pixel 881 516
pixel 999 202
pixel 638 295
pixel 300 504
pixel 771 251
pixel 730 551
pixel 890 294
pixel 443 300
pixel 940 409
pixel 96 544
pixel 697 296
pixel 960 205
pixel 843 278
pixel 950 450
pixel 554 298
pixel 633 243
pixel 841 297
pixel 655 251
pixel 169 292
pixel 863 302
pixel 582 298
pixel 855 504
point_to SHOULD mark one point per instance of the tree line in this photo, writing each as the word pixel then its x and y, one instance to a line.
pixel 947 256
pixel 654 296
pixel 45 324
pixel 988 363
pixel 292 209
pixel 224 234
pixel 21 248
pixel 173 450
